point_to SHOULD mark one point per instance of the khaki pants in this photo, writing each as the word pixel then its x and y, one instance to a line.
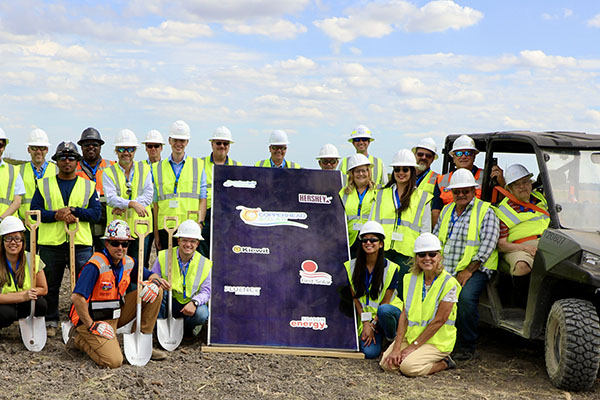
pixel 107 352
pixel 418 363
pixel 514 257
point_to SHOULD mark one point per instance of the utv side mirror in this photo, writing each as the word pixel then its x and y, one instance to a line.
pixel 595 158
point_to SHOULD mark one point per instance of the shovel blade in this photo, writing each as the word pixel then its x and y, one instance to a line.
pixel 138 348
pixel 65 328
pixel 169 332
pixel 33 332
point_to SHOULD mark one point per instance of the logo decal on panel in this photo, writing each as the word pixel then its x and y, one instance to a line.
pixel 258 217
pixel 237 249
pixel 316 323
pixel 310 276
pixel 242 290
pixel 240 184
pixel 314 198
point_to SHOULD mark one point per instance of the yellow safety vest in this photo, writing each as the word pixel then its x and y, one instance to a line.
pixel 197 273
pixel 355 218
pixel 411 219
pixel 7 185
pixel 178 201
pixel 428 182
pixel 421 313
pixel 141 169
pixel 208 170
pixel 53 233
pixel 478 211
pixel 524 224
pixel 379 176
pixel 267 164
pixel 11 286
pixel 370 305
pixel 31 183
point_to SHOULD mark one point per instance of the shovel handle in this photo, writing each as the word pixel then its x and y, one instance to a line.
pixel 72 233
pixel 170 231
pixel 33 225
pixel 191 213
pixel 141 236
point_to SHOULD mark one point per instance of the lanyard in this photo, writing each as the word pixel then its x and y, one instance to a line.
pixel 453 220
pixel 398 203
pixel 522 209
pixel 425 291
pixel 368 279
pixel 94 169
pixel 177 173
pixel 361 197
pixel 423 175
pixel 128 182
pixel 183 268
pixel 39 175
pixel 12 273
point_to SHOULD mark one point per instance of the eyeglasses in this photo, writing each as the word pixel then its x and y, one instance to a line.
pixel 282 148
pixel 369 240
pixel 461 153
pixel 464 192
pixel 16 239
pixel 67 158
pixel 328 161
pixel 90 144
pixel 401 169
pixel 431 254
pixel 125 149
pixel 153 146
pixel 426 155
pixel 221 143
pixel 38 148
pixel 360 139
pixel 117 243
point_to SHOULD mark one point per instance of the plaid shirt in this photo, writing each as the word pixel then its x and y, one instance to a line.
pixel 457 242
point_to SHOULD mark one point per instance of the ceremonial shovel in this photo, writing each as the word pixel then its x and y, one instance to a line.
pixel 138 346
pixel 66 326
pixel 33 329
pixel 170 330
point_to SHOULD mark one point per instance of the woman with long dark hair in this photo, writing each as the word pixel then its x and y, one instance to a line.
pixel 373 280
pixel 14 275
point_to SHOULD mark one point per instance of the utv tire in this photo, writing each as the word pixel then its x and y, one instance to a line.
pixel 572 344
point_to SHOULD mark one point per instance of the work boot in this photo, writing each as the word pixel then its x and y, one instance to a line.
pixel 158 355
pixel 51 327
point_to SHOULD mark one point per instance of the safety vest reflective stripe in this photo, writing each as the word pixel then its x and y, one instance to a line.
pixel 524 224
pixel 98 177
pixel 31 183
pixel 103 305
pixel 7 174
pixel 11 286
pixel 428 182
pixel 408 302
pixel 353 220
pixel 197 272
pixel 180 193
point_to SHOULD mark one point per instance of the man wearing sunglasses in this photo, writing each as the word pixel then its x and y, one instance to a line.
pixel 128 186
pixel 469 230
pixel 92 167
pixel 61 199
pixel 328 158
pixel 426 153
pixel 463 155
pixel 361 138
pixel 278 142
pixel 11 183
pixel 220 142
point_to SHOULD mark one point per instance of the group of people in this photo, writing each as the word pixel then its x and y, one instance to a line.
pixel 395 259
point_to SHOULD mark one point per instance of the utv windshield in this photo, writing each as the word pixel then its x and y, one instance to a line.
pixel 575 179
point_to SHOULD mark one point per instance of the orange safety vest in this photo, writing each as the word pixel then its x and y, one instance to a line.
pixel 106 295
pixel 102 165
pixel 444 180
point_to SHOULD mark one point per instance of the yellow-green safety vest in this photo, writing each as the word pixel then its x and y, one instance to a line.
pixel 186 197
pixel 524 224
pixel 197 273
pixel 31 183
pixel 208 170
pixel 478 211
pixel 141 169
pixel 370 305
pixel 428 182
pixel 379 176
pixel 421 313
pixel 267 164
pixel 11 286
pixel 411 219
pixel 7 180
pixel 354 219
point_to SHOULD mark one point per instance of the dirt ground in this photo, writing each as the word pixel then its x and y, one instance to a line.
pixel 507 367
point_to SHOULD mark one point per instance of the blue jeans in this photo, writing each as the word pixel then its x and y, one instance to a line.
pixel 467 316
pixel 374 349
pixel 189 323
pixel 387 318
pixel 56 259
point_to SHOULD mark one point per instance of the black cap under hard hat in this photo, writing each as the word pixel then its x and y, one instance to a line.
pixel 66 149
pixel 90 134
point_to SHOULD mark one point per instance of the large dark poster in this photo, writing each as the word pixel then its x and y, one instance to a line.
pixel 279 243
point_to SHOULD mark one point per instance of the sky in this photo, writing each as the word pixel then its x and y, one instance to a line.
pixel 407 69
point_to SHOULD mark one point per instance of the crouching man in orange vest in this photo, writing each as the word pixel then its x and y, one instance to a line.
pixel 100 304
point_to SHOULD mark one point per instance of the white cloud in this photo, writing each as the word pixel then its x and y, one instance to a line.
pixel 356 51
pixel 272 100
pixel 169 94
pixel 298 64
pixel 313 91
pixel 566 13
pixel 516 123
pixel 594 115
pixel 438 16
pixel 537 58
pixel 594 22
pixel 174 32
pixel 239 9
pixel 278 29
pixel 409 86
pixel 354 69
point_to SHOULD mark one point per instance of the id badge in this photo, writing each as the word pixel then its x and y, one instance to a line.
pixel 173 203
pixel 357 226
pixel 116 313
pixel 366 316
pixel 397 236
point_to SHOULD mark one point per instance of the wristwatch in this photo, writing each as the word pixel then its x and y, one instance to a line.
pixel 196 302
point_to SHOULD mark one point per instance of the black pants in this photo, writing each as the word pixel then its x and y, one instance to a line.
pixel 9 313
pixel 204 246
pixel 163 239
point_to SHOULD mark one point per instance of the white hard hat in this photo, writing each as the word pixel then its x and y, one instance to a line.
pixel 328 151
pixel 3 135
pixel 372 227
pixel 427 144
pixel 189 229
pixel 361 131
pixel 154 136
pixel 427 242
pixel 11 224
pixel 404 158
pixel 462 178
pixel 126 138
pixel 37 137
pixel 515 172
pixel 180 130
pixel 278 138
pixel 464 142
pixel 356 160
pixel 221 133
pixel 117 229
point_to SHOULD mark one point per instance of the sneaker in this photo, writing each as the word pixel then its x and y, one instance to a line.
pixel 158 355
pixel 449 362
pixel 196 330
pixel 463 355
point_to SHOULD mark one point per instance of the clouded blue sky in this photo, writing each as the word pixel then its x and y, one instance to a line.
pixel 315 68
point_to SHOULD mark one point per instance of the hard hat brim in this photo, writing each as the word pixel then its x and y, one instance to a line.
pixel 221 138
pixel 404 164
pixel 462 185
pixel 182 137
pixel 92 140
pixel 38 144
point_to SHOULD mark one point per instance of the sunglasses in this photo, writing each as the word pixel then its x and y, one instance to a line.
pixel 431 254
pixel 464 192
pixel 360 139
pixel 117 243
pixel 125 149
pixel 153 146
pixel 16 239
pixel 67 158
pixel 369 240
pixel 221 143
pixel 461 153
pixel 328 161
pixel 38 148
pixel 90 144
pixel 401 169
pixel 282 148
pixel 426 155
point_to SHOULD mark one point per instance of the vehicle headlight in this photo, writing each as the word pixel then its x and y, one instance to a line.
pixel 590 262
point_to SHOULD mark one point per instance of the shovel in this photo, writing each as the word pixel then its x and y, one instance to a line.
pixel 191 213
pixel 170 330
pixel 33 329
pixel 138 345
pixel 66 326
